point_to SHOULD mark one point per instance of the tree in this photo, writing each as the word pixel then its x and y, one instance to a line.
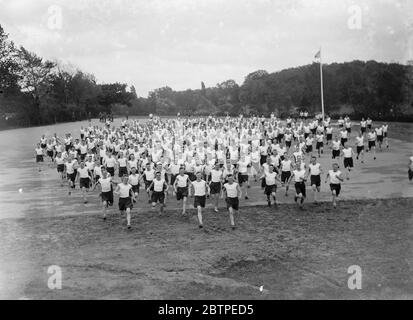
pixel 35 78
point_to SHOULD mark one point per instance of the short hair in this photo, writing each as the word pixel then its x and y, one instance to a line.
pixel 230 176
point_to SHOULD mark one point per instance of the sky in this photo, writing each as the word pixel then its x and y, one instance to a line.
pixel 179 43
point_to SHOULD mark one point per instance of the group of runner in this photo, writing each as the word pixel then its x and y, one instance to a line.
pixel 207 158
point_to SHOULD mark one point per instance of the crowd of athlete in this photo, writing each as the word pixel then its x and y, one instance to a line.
pixel 207 158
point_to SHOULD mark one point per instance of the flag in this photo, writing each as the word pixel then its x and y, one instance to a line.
pixel 318 54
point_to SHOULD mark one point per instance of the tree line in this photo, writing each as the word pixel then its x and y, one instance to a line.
pixel 35 91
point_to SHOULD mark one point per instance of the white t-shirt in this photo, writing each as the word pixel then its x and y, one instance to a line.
pixel 199 188
pixel 158 185
pixel 106 184
pixel 134 179
pixel 286 165
pixel 348 152
pixel 124 190
pixel 270 178
pixel 182 181
pixel 232 191
pixel 299 175
pixel 334 176
pixel 314 169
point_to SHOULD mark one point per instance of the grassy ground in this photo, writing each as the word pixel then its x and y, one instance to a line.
pixel 294 254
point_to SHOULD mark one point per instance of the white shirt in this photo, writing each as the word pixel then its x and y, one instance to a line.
pixel 314 169
pixel 199 188
pixel 270 178
pixel 286 165
pixel 232 191
pixel 334 176
pixel 348 152
pixel 83 173
pixel 158 185
pixel 299 175
pixel 106 184
pixel 216 175
pixel 182 181
pixel 360 141
pixel 134 179
pixel 124 190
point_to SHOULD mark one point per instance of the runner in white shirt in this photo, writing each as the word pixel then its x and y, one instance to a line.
pixel 124 190
pixel 60 162
pixel 336 178
pixel 336 145
pixel 134 180
pixel 160 188
pixel 360 147
pixel 84 178
pixel 232 195
pixel 371 137
pixel 106 191
pixel 348 159
pixel 215 184
pixel 271 178
pixel 71 172
pixel 243 164
pixel 286 168
pixel 299 176
pixel 315 170
pixel 200 190
pixel 39 154
pixel 180 186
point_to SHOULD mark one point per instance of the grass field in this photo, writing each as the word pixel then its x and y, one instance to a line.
pixel 294 254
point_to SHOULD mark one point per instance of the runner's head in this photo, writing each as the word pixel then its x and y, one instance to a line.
pixel 313 159
pixel 198 176
pixel 133 170
pixel 335 166
pixel 230 178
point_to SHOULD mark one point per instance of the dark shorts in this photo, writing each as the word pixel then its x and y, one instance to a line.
pixel 270 189
pixel 300 188
pixel 343 141
pixel 60 168
pixel 50 153
pixel 348 163
pixel 319 145
pixel 410 173
pixel 385 134
pixel 285 176
pixel 372 144
pixel 363 129
pixel 135 188
pixel 380 138
pixel 147 184
pixel 232 203
pixel 288 144
pixel 158 197
pixel 335 187
pixel 369 126
pixel 71 176
pixel 348 130
pixel 83 156
pixel 315 180
pixel 336 153
pixel 43 146
pixel 359 149
pixel 306 135
pixel 181 193
pixel 123 171
pixel 39 158
pixel 84 183
pixel 329 137
pixel 215 187
pixel 107 197
pixel 242 178
pixel 308 149
pixel 199 201
pixel 111 171
pixel 125 203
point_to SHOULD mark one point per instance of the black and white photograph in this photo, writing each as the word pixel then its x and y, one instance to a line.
pixel 206 151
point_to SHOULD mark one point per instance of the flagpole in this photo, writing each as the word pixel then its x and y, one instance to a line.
pixel 321 84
